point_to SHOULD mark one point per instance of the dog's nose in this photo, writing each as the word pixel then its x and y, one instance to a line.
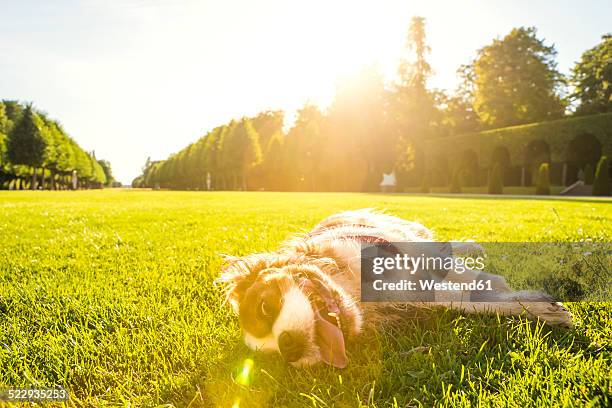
pixel 291 345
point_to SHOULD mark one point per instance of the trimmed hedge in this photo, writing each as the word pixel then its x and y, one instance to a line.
pixel 543 187
pixel 558 134
pixel 601 185
pixel 455 185
pixel 496 180
pixel 425 185
pixel 589 175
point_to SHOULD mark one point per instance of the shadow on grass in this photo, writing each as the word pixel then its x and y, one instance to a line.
pixel 564 199
pixel 445 348
pixel 410 360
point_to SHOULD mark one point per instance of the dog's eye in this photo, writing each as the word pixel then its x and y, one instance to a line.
pixel 264 309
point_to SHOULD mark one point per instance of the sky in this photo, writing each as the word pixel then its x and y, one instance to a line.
pixel 137 78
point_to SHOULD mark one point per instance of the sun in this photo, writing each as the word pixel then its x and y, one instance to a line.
pixel 325 46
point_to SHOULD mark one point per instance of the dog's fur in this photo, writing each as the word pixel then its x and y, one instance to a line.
pixel 302 300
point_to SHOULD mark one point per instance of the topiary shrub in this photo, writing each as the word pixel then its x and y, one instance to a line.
pixel 589 175
pixel 425 185
pixel 496 180
pixel 543 187
pixel 601 185
pixel 455 185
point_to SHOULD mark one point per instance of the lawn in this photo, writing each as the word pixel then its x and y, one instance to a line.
pixel 110 294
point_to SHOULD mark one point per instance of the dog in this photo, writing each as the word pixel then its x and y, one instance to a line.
pixel 302 301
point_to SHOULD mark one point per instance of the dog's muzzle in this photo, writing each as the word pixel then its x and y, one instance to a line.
pixel 292 345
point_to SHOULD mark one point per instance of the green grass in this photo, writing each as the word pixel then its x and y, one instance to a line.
pixel 508 190
pixel 110 294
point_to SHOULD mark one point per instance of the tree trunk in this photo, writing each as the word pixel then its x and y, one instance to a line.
pixel 33 185
pixel 52 179
pixel 43 177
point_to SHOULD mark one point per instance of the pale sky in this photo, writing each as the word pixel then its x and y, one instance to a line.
pixel 137 78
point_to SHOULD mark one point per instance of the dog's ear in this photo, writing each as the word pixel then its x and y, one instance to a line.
pixel 238 274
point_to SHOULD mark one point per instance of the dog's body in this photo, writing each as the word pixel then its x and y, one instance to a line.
pixel 302 300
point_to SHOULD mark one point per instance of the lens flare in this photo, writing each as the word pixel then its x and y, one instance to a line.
pixel 244 377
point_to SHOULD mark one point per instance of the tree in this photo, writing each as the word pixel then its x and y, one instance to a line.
pixel 4 129
pixel 27 144
pixel 425 183
pixel 51 145
pixel 98 177
pixel 57 159
pixel 592 79
pixel 13 111
pixel 3 160
pixel 108 173
pixel 66 160
pixel 543 187
pixel 215 156
pixel 496 180
pixel 31 141
pixel 4 120
pixel 273 164
pixel 356 144
pixel 251 155
pixel 415 74
pixel 82 165
pixel 458 115
pixel 412 108
pixel 199 164
pixel 515 80
pixel 240 152
pixel 150 176
pixel 268 124
pixel 601 185
pixel 304 146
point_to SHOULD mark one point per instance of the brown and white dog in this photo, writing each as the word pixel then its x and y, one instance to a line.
pixel 303 300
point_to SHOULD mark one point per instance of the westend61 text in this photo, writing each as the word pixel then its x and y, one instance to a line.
pixel 429 285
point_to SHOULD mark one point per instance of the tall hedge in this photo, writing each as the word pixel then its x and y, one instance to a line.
pixel 425 183
pixel 496 180
pixel 601 185
pixel 558 134
pixel 589 174
pixel 455 185
pixel 543 187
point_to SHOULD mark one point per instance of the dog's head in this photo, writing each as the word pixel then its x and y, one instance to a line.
pixel 288 304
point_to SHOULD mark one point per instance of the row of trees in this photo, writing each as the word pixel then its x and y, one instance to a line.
pixel 374 127
pixel 37 153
